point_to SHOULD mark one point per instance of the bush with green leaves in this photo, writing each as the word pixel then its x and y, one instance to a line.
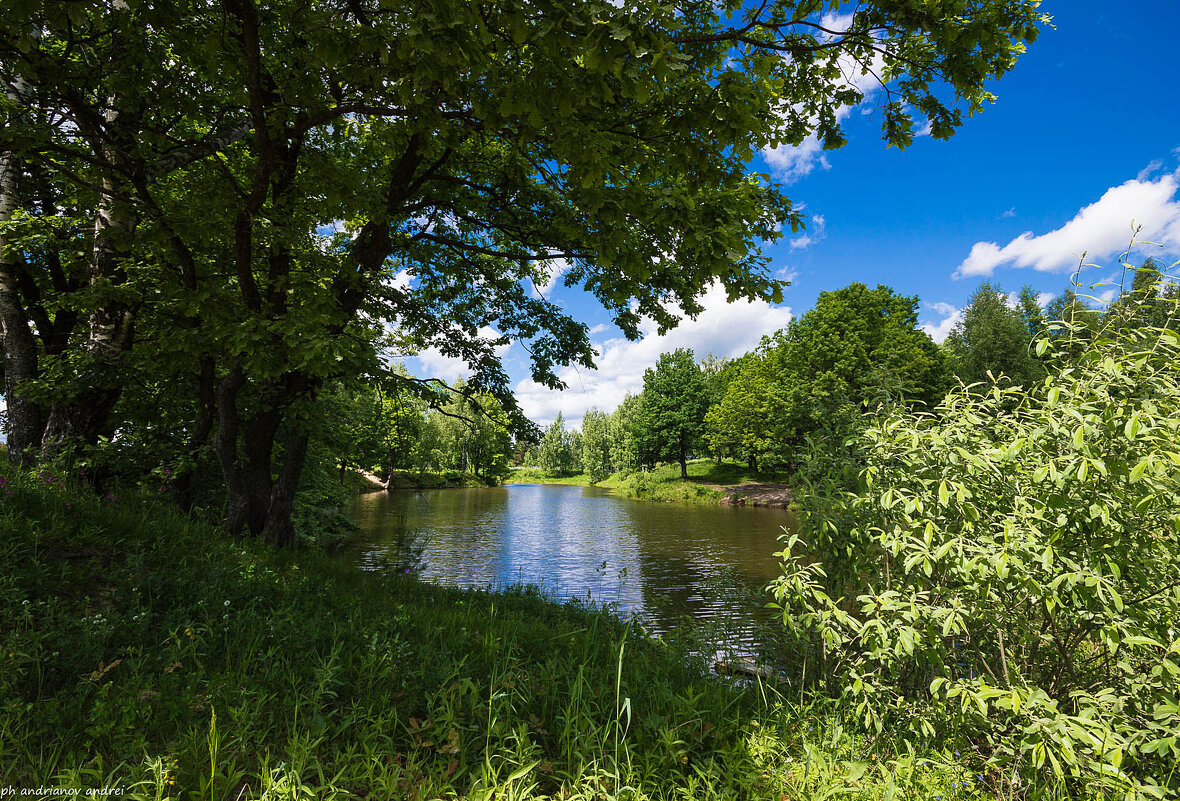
pixel 1006 570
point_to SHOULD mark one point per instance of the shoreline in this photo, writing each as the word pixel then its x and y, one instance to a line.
pixel 637 486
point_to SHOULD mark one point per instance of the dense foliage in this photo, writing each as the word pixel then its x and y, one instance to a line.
pixel 1008 567
pixel 993 337
pixel 670 418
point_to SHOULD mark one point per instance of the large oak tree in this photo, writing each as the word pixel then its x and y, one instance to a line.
pixel 244 194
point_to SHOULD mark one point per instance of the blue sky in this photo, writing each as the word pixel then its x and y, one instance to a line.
pixel 1084 138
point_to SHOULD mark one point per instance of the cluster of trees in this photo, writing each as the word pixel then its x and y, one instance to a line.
pixel 384 427
pixel 605 444
pixel 858 349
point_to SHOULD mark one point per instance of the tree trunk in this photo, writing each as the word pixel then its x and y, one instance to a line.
pixel 184 484
pixel 753 463
pixel 83 416
pixel 16 338
pixel 257 502
pixel 683 465
pixel 278 529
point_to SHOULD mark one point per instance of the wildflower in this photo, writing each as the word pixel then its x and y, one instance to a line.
pixel 227 603
pixel 189 633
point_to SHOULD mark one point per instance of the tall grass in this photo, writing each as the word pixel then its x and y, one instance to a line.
pixel 144 652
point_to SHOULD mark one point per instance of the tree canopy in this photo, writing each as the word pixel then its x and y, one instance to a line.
pixel 237 200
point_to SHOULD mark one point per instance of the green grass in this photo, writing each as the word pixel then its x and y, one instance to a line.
pixel 530 475
pixel 706 481
pixel 144 651
pixel 705 485
pixel 710 471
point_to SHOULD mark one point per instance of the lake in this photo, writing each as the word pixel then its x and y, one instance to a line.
pixel 660 562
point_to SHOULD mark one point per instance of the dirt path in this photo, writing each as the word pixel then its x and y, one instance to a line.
pixel 777 496
pixel 374 482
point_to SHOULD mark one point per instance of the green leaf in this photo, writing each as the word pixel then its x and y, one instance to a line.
pixel 1138 470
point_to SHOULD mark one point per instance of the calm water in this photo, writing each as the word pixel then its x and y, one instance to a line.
pixel 659 561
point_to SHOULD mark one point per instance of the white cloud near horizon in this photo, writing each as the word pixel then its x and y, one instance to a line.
pixel 723 329
pixel 950 314
pixel 1101 230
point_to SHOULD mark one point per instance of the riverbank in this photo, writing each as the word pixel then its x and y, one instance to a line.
pixel 709 482
pixel 147 652
pixel 366 481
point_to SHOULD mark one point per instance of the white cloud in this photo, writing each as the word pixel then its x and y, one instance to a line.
pixel 1151 168
pixel 951 315
pixel 557 268
pixel 1100 230
pixel 787 274
pixel 817 234
pixel 435 364
pixel 402 279
pixel 792 162
pixel 1009 213
pixel 724 329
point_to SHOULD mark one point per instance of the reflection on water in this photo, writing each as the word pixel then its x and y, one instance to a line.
pixel 657 561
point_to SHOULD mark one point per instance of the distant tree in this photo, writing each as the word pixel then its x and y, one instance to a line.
pixel 596 445
pixel 426 452
pixel 1073 323
pixel 717 373
pixel 1031 314
pixel 624 453
pixel 1147 302
pixel 490 439
pixel 403 416
pixel 553 452
pixel 354 426
pixel 993 338
pixel 671 415
pixel 474 434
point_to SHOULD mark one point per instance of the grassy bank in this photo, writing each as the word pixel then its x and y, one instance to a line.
pixel 708 481
pixel 531 475
pixel 146 652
